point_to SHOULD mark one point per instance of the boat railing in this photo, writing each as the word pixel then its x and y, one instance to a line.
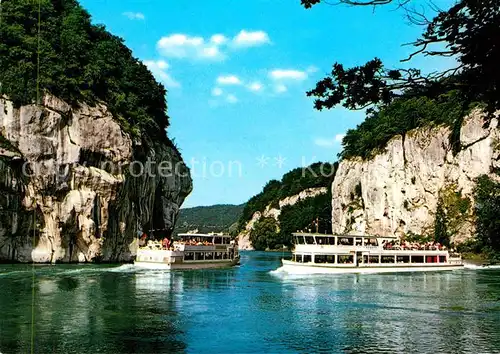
pixel 414 248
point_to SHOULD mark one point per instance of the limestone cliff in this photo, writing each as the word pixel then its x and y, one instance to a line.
pixel 400 190
pixel 76 187
pixel 270 211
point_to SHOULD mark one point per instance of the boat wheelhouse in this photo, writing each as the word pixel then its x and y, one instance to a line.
pixel 318 253
pixel 189 251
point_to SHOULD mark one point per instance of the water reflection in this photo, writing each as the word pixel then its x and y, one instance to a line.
pixel 88 311
pixel 248 309
pixel 430 312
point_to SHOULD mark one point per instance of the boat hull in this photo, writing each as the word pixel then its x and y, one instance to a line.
pixel 186 266
pixel 311 268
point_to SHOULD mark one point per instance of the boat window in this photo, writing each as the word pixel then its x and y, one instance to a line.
pixel 417 259
pixel 346 241
pixel 331 241
pixel 321 240
pixel 300 240
pixel 442 259
pixel 320 258
pixel 188 256
pixel 225 240
pixel 403 259
pixel 309 240
pixel 345 259
pixel 298 258
pixel 387 259
pixel 330 258
pixel 218 255
pixel 370 242
pixel 224 255
pixel 373 259
pixel 431 259
pixel 198 256
pixel 218 240
pixel 359 241
pixel 365 259
pixel 306 258
pixel 209 255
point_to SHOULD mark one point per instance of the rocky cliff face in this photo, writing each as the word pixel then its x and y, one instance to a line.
pixel 400 191
pixel 76 187
pixel 244 237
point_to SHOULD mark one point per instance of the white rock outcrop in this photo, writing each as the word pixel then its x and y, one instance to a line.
pixel 67 167
pixel 398 191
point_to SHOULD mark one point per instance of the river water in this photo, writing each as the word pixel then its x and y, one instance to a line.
pixel 247 309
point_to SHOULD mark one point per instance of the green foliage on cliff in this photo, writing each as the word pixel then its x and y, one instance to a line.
pixel 215 218
pixel 452 211
pixel 398 118
pixel 78 61
pixel 265 234
pixel 487 208
pixel 319 174
pixel 303 215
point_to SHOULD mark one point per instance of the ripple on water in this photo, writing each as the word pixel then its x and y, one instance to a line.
pixel 256 308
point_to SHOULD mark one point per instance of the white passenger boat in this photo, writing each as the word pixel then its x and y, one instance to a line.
pixel 191 251
pixel 318 253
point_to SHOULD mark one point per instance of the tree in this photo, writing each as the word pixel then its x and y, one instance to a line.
pixel 487 195
pixel 303 215
pixel 265 234
pixel 66 55
pixel 467 31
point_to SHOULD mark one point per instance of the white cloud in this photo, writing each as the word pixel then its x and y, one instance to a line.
pixel 159 70
pixel 184 46
pixel 281 74
pixel 229 80
pixel 218 39
pixel 255 86
pixel 211 52
pixel 216 91
pixel 280 88
pixel 329 142
pixel 215 47
pixel 134 15
pixel 251 38
pixel 311 69
pixel 231 98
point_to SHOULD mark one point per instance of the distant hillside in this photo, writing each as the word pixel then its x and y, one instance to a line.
pixel 214 218
pixel 299 201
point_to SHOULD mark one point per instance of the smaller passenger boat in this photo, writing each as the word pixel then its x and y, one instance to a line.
pixel 190 251
pixel 318 253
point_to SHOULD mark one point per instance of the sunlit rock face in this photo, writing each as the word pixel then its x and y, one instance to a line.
pixel 244 236
pixel 67 190
pixel 398 191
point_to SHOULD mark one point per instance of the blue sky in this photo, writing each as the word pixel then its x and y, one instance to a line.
pixel 237 73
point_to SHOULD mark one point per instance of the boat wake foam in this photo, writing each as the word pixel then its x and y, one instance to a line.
pixel 476 266
pixel 124 268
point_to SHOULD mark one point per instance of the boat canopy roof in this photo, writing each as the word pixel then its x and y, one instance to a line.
pixel 342 236
pixel 203 235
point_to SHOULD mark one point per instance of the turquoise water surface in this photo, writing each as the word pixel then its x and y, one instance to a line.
pixel 247 309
